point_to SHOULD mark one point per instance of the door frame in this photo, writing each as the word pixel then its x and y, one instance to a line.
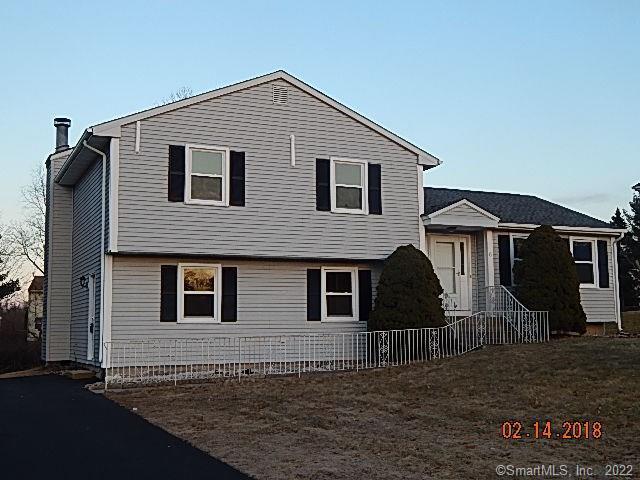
pixel 91 316
pixel 456 237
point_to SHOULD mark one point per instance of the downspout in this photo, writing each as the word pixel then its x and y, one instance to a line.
pixel 616 289
pixel 102 221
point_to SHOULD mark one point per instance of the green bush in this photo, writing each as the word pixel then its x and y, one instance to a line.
pixel 408 293
pixel 547 279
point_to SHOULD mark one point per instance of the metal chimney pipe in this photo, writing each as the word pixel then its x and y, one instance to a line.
pixel 62 133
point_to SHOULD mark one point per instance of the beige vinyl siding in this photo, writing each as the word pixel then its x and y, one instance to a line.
pixel 272 300
pixel 280 217
pixel 599 304
pixel 58 266
pixel 87 203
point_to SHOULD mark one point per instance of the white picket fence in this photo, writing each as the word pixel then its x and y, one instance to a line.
pixel 188 359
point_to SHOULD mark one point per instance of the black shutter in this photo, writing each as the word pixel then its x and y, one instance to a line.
pixel 236 195
pixel 364 294
pixel 504 259
pixel 323 185
pixel 229 294
pixel 168 293
pixel 603 264
pixel 176 173
pixel 313 295
pixel 375 188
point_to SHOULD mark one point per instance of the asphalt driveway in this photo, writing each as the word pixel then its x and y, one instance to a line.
pixel 52 427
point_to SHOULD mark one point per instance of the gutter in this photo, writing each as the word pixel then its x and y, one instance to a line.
pixel 82 142
pixel 102 225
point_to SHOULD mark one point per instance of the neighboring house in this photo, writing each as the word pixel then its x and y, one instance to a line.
pixel 261 208
pixel 35 311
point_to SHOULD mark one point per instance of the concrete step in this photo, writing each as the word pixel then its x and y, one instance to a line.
pixel 79 374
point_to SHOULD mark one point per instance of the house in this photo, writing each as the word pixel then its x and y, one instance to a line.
pixel 261 208
pixel 35 308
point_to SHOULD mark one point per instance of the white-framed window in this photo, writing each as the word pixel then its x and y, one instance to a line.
pixel 348 185
pixel 584 255
pixel 206 176
pixel 199 293
pixel 339 294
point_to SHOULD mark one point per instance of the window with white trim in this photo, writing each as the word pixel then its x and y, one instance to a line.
pixel 206 175
pixel 199 293
pixel 339 294
pixel 348 185
pixel 584 256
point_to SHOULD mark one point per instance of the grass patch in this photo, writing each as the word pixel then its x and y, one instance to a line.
pixel 434 420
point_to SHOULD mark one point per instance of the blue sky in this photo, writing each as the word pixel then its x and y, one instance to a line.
pixel 537 97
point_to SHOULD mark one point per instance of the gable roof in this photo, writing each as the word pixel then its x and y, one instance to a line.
pixel 112 126
pixel 511 207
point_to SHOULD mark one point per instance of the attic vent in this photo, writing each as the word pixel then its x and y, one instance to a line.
pixel 280 95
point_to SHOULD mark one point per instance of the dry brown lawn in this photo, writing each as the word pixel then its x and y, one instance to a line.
pixel 435 420
pixel 631 322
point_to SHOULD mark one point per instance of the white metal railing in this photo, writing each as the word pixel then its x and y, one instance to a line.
pixel 499 298
pixel 187 359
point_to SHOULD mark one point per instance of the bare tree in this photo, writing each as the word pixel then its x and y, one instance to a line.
pixel 25 238
pixel 179 94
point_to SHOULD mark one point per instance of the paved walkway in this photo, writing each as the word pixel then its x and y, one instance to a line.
pixel 51 427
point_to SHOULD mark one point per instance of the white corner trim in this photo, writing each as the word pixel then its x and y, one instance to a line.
pixel 467 203
pixel 114 181
pixel 137 145
pixel 105 324
pixel 422 231
pixel 292 148
pixel 488 258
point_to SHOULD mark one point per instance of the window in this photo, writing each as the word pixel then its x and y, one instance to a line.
pixel 199 293
pixel 207 175
pixel 584 258
pixel 349 185
pixel 339 294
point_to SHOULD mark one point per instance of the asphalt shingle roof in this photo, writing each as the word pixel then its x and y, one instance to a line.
pixel 511 207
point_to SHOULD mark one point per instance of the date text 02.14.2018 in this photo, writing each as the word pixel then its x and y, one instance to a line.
pixel 568 430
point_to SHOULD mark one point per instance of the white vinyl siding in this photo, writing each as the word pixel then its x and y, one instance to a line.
pixel 598 303
pixel 280 217
pixel 272 300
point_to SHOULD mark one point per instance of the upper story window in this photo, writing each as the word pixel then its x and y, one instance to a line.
pixel 198 294
pixel 348 185
pixel 583 251
pixel 206 175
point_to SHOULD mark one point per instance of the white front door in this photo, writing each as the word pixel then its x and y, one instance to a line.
pixel 450 257
pixel 91 316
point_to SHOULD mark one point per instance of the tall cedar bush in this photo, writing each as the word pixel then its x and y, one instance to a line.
pixel 547 280
pixel 408 293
